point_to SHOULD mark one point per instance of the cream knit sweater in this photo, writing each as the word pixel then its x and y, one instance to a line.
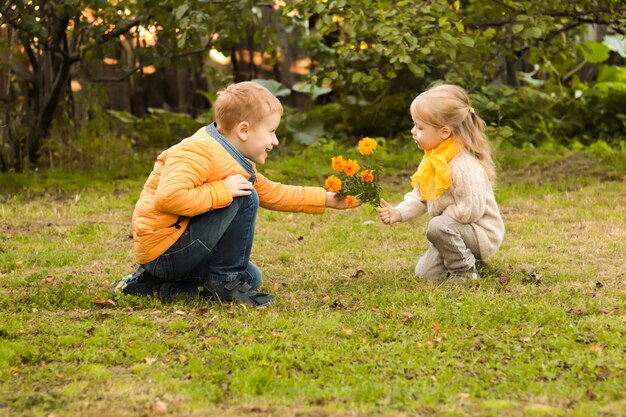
pixel 469 200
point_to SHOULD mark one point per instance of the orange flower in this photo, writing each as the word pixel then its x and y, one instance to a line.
pixel 367 176
pixel 333 184
pixel 338 163
pixel 351 167
pixel 367 146
pixel 350 200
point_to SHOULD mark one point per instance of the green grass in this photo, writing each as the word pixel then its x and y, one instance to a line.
pixel 352 332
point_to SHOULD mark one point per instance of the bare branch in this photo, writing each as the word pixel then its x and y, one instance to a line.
pixel 120 30
pixel 583 16
pixel 32 57
pixel 116 79
pixel 140 67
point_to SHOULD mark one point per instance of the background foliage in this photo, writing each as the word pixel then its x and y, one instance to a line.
pixel 369 58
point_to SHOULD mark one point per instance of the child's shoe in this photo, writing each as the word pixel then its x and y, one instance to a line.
pixel 237 291
pixel 138 282
pixel 468 277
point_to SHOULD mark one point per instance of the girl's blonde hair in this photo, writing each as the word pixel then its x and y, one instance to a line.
pixel 246 101
pixel 448 105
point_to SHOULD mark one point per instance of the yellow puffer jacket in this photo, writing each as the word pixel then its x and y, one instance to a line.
pixel 187 180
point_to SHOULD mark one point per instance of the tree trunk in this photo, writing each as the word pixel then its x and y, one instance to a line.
pixel 51 79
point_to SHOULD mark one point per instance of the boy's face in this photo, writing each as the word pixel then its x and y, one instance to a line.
pixel 260 139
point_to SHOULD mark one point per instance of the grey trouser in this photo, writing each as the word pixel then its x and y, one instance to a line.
pixel 453 248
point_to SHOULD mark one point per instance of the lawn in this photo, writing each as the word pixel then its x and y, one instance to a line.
pixel 352 332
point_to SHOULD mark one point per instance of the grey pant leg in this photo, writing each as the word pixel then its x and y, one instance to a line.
pixel 430 266
pixel 453 248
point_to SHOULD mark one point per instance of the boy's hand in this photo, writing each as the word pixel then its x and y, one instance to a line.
pixel 388 213
pixel 238 185
pixel 339 203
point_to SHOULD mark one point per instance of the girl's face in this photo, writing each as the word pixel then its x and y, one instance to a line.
pixel 428 137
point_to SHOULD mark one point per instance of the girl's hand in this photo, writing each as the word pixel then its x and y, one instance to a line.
pixel 238 185
pixel 339 203
pixel 387 213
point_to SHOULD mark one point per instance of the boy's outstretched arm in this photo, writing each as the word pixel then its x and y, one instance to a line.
pixel 387 213
pixel 339 203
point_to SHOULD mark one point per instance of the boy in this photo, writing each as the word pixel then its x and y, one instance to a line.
pixel 193 225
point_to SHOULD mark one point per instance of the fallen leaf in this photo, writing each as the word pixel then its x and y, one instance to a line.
pixel 182 358
pixel 532 277
pixel 19 263
pixel 346 331
pixel 180 312
pixel 590 394
pixel 407 316
pixel 436 327
pixel 464 395
pixel 504 279
pixel 339 303
pixel 212 339
pixel 50 278
pixel 359 273
pixel 149 361
pixel 160 407
pixel 101 301
pixel 596 348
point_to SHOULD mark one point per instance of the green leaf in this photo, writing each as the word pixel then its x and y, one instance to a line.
pixel 467 41
pixel 276 88
pixel 417 71
pixel 307 129
pixel 616 43
pixel 459 26
pixel 489 33
pixel 594 52
pixel 181 10
pixel 517 28
pixel 311 90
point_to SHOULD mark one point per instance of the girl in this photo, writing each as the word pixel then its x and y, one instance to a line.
pixel 453 183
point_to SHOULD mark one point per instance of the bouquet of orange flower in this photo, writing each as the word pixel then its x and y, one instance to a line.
pixel 356 180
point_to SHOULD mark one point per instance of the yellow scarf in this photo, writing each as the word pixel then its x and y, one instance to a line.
pixel 433 173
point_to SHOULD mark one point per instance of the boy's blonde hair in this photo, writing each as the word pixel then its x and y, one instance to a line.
pixel 246 101
pixel 448 105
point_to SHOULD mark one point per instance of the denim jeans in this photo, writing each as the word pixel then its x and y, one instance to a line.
pixel 453 248
pixel 215 246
